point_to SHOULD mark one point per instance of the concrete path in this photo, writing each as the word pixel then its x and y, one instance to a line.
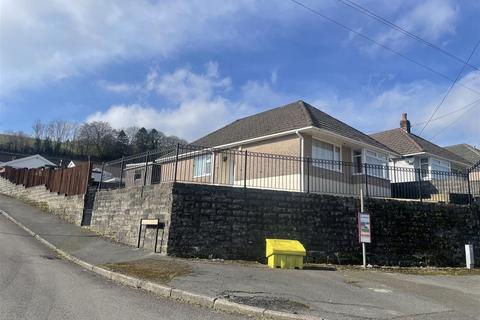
pixel 345 294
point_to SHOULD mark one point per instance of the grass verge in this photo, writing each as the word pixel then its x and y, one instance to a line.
pixel 156 270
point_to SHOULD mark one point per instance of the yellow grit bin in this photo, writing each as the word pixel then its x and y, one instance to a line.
pixel 285 254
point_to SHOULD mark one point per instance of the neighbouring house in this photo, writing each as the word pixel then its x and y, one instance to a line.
pixel 420 159
pixel 293 147
pixel 30 162
pixel 471 154
pixel 417 152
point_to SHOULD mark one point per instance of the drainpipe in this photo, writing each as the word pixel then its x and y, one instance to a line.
pixel 302 166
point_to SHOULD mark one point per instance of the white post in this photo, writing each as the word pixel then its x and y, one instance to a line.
pixel 469 256
pixel 364 249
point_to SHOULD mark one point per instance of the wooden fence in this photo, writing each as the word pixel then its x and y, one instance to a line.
pixel 68 181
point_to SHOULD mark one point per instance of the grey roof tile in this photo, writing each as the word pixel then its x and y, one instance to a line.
pixel 292 116
pixel 466 151
pixel 406 143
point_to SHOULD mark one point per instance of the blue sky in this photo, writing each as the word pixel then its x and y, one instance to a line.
pixel 187 68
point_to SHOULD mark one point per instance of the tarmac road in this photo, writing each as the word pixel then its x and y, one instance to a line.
pixel 35 284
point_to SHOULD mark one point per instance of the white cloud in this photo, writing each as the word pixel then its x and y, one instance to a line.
pixel 43 41
pixel 119 87
pixel 196 104
pixel 431 20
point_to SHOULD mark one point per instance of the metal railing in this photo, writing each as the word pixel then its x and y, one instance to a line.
pixel 246 169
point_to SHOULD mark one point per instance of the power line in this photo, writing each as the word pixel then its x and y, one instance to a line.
pixel 450 88
pixel 409 34
pixel 380 44
pixel 468 106
pixel 451 124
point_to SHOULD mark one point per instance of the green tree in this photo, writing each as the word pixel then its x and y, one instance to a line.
pixel 140 140
pixel 122 145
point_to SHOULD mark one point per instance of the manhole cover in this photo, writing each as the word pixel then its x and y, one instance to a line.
pixel 265 300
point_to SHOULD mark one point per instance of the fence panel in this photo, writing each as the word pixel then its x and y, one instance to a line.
pixel 68 181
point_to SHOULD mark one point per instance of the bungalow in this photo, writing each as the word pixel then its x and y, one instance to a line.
pixel 292 147
pixel 471 154
pixel 422 160
pixel 30 162
pixel 419 153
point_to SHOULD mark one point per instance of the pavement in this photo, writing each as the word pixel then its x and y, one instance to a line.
pixel 321 292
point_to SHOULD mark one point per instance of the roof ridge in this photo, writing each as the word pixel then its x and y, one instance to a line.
pixel 306 110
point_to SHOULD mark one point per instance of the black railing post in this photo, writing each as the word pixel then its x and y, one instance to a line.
pixel 101 177
pixel 121 174
pixel 470 195
pixel 213 166
pixel 366 179
pixel 146 168
pixel 245 170
pixel 176 163
pixel 308 173
pixel 419 184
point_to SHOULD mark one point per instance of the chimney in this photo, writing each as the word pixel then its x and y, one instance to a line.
pixel 404 123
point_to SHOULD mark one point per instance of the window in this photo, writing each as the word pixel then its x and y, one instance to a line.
pixel 202 165
pixel 137 174
pixel 379 164
pixel 326 151
pixel 438 165
pixel 438 168
pixel 357 162
pixel 424 168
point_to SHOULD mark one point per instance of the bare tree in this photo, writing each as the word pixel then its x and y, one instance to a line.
pixel 96 138
pixel 38 129
pixel 38 132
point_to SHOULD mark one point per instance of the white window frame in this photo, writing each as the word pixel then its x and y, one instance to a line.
pixel 441 163
pixel 331 167
pixel 204 161
pixel 362 157
pixel 383 157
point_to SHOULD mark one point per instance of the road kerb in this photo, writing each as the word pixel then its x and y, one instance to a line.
pixel 193 298
pixel 158 289
pixel 277 315
pixel 233 307
pixel 219 304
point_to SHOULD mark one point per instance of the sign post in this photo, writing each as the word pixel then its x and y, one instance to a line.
pixel 364 235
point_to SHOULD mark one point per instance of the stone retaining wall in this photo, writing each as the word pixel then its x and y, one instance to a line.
pixel 117 213
pixel 69 208
pixel 232 223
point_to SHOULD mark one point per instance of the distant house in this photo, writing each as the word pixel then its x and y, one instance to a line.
pixel 417 152
pixel 30 162
pixel 297 130
pixel 422 160
pixel 469 153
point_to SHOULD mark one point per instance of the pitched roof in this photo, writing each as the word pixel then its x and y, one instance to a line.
pixel 35 161
pixel 466 151
pixel 407 143
pixel 295 115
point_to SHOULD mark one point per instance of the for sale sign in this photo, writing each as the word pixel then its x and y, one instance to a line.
pixel 364 231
